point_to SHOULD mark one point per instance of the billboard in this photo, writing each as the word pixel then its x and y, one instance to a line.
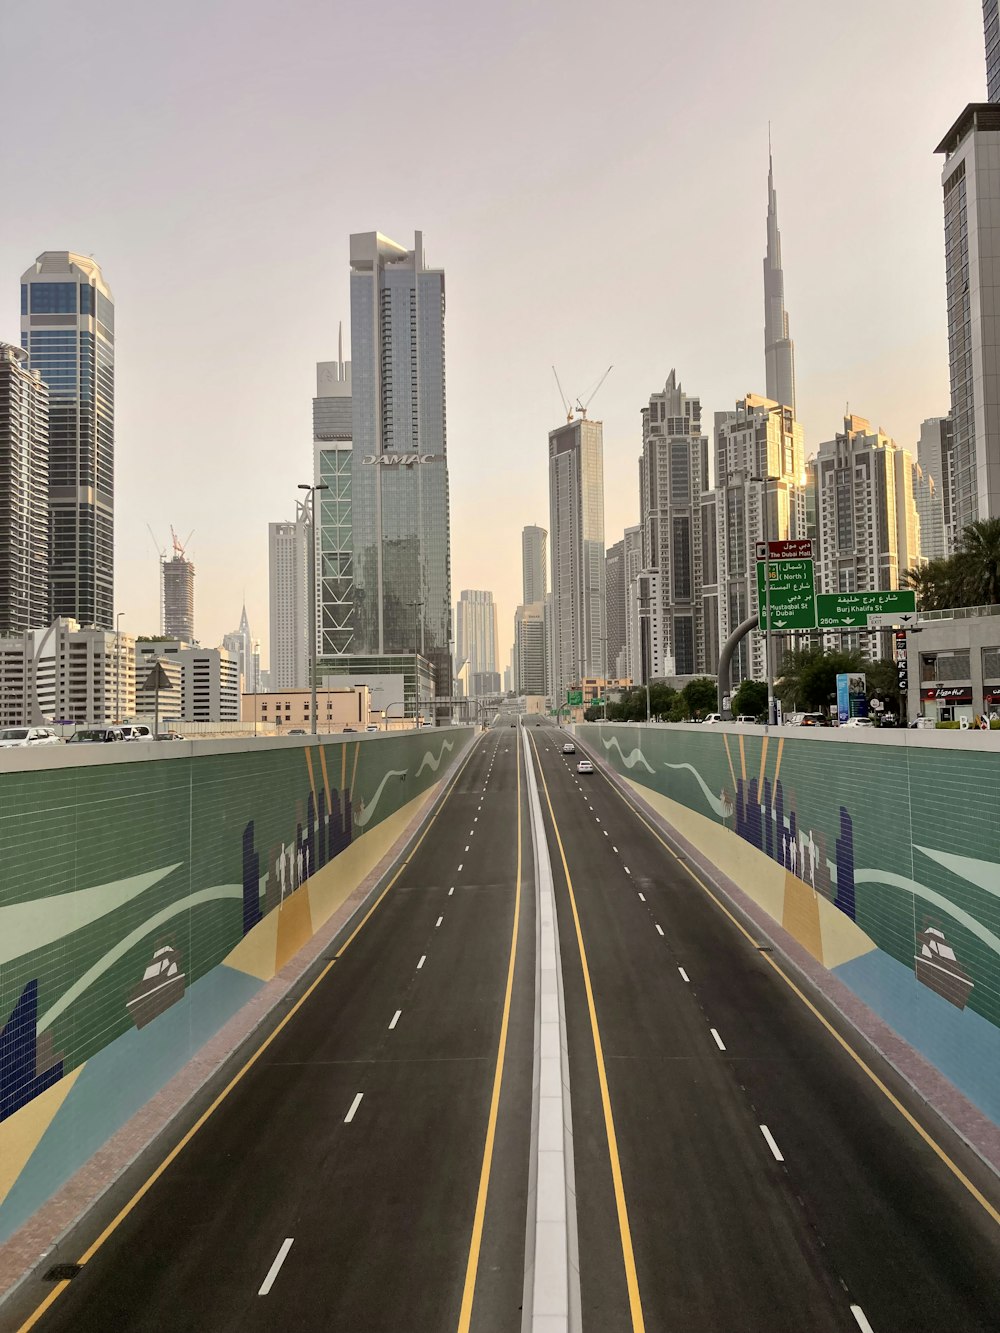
pixel 852 695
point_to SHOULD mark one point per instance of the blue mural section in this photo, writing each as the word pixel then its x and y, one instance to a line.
pixel 20 1056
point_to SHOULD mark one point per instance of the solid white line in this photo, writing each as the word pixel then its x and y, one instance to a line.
pixel 659 928
pixel 272 1272
pixel 722 1046
pixel 771 1143
pixel 862 1321
pixel 683 974
pixel 354 1106
pixel 438 922
pixel 423 959
pixel 642 897
pixel 395 1018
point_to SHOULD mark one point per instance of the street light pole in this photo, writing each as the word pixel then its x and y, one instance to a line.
pixel 768 664
pixel 118 666
pixel 312 489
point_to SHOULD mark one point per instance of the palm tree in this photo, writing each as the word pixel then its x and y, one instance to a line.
pixel 939 584
pixel 979 551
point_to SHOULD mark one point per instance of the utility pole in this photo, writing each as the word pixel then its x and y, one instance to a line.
pixel 319 486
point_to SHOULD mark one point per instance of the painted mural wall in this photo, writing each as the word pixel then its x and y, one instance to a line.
pixel 882 859
pixel 142 904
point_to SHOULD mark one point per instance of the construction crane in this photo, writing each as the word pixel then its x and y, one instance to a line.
pixel 161 551
pixel 565 400
pixel 582 407
pixel 180 547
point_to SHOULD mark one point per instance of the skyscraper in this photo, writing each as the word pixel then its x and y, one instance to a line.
pixel 991 33
pixel 400 513
pixel 971 187
pixel 288 560
pixel 244 648
pixel 759 440
pixel 615 601
pixel 333 463
pixel 476 631
pixel 177 575
pixel 779 350
pixel 68 331
pixel 673 474
pixel 529 650
pixel 576 514
pixel 534 564
pixel 24 495
pixel 935 457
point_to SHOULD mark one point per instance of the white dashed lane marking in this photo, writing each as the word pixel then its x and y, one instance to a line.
pixel 683 974
pixel 438 922
pixel 718 1040
pixel 272 1272
pixel 769 1138
pixel 423 959
pixel 354 1106
pixel 659 928
pixel 395 1019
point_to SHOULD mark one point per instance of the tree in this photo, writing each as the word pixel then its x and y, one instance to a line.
pixel 750 699
pixel 701 695
pixel 808 677
pixel 980 553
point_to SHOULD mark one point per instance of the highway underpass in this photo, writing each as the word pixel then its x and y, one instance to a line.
pixel 375 1159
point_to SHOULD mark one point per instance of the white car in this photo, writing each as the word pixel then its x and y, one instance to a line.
pixel 858 722
pixel 371 727
pixel 136 732
pixel 11 737
pixel 713 717
pixel 585 766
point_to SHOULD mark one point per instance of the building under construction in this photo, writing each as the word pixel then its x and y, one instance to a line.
pixel 177 590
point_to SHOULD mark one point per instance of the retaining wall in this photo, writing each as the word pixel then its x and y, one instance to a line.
pixel 147 892
pixel 879 853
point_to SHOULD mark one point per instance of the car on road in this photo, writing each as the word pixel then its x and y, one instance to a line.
pixel 136 732
pixel 747 719
pixel 713 717
pixel 569 748
pixel 810 720
pixel 372 726
pixel 96 736
pixel 12 737
pixel 923 721
pixel 859 722
pixel 585 766
pixel 169 736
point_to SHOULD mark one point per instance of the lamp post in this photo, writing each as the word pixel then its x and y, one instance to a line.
pixel 118 666
pixel 416 670
pixel 645 647
pixel 768 665
pixel 312 489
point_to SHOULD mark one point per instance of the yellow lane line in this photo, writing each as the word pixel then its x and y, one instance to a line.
pixel 144 1189
pixel 887 1092
pixel 475 1245
pixel 625 1231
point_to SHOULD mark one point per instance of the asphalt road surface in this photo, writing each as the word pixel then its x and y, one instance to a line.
pixel 359 1135
pixel 766 1182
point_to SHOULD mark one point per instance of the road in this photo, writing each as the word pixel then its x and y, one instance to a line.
pixel 743 1163
pixel 359 1135
pixel 704 1049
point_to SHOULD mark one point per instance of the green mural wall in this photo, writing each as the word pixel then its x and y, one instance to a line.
pixel 122 883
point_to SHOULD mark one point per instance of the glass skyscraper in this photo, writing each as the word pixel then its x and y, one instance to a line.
pixel 68 331
pixel 334 553
pixel 576 511
pixel 400 515
pixel 991 33
pixel 24 495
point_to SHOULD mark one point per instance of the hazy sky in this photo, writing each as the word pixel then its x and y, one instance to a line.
pixel 592 177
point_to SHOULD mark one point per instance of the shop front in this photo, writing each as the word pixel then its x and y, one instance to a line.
pixel 948 703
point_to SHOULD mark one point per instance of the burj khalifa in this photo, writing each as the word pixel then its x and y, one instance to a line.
pixel 779 350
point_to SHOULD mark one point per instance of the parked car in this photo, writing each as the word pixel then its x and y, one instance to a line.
pixel 96 736
pixel 12 737
pixel 135 732
pixel 569 748
pixel 859 722
pixel 585 766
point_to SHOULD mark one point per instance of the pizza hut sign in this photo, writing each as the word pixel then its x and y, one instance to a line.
pixel 948 694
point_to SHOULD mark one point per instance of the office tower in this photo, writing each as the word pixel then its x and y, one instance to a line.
pixel 760 491
pixel 935 455
pixel 673 473
pixel 615 601
pixel 710 579
pixel 242 645
pixel 629 663
pixel 529 650
pixel 971 188
pixel 930 515
pixel 400 515
pixel 645 627
pixel 177 590
pixel 576 522
pixel 288 582
pixel 476 631
pixel 68 331
pixel 991 33
pixel 332 465
pixel 866 517
pixel 779 350
pixel 24 494
pixel 534 564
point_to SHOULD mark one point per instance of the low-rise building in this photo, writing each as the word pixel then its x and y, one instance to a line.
pixel 336 709
pixel 169 706
pixel 210 678
pixel 953 664
pixel 66 673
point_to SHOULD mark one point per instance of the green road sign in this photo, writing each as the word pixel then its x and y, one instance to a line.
pixel 574 698
pixel 793 594
pixel 843 609
pixel 597 703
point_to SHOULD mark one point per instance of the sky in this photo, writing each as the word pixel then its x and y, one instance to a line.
pixel 592 178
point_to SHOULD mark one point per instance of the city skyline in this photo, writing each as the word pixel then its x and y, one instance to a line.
pixel 892 368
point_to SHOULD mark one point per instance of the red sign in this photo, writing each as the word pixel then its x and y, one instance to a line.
pixel 947 694
pixel 800 549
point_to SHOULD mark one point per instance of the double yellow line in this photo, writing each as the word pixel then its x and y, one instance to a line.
pixel 624 1229
pixel 175 1152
